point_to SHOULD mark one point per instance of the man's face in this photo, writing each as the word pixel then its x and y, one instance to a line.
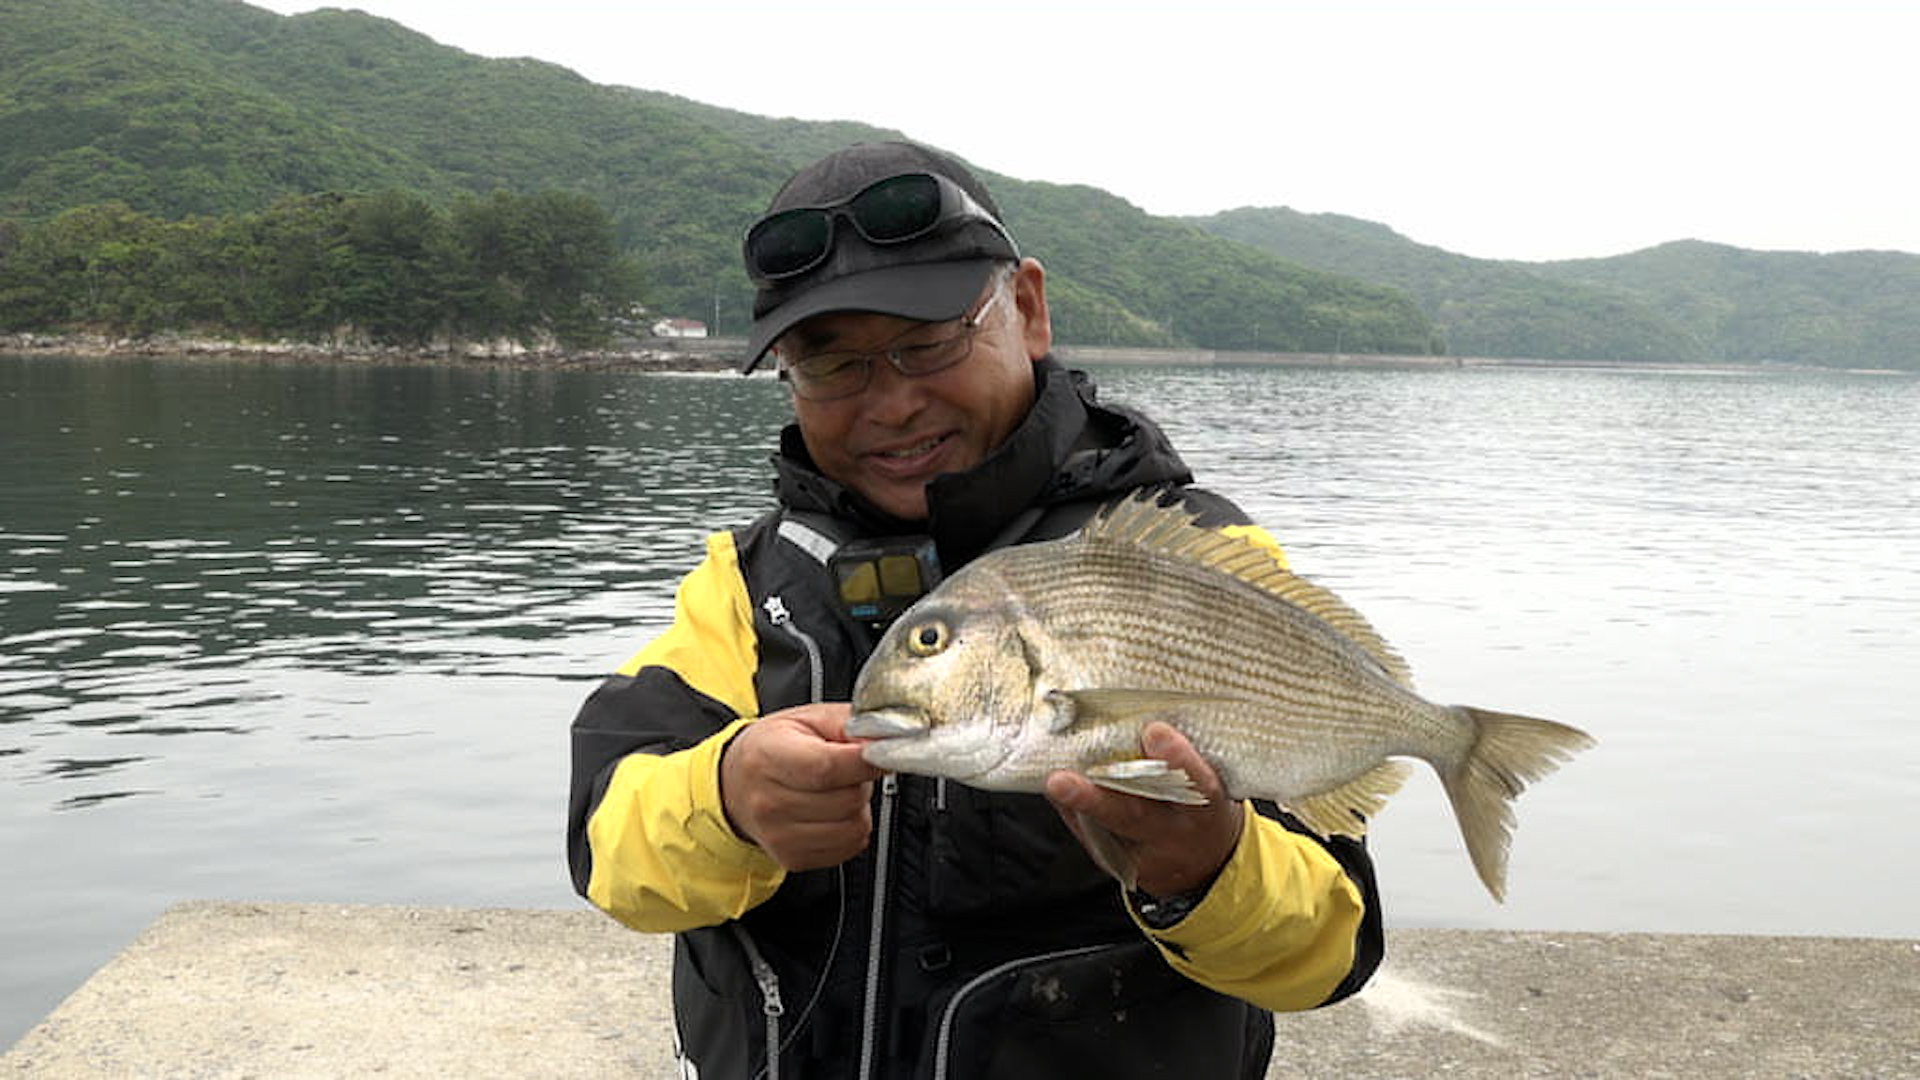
pixel 889 440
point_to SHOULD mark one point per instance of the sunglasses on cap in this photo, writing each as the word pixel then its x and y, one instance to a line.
pixel 890 211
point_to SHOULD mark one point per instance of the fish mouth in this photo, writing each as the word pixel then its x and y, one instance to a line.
pixel 891 722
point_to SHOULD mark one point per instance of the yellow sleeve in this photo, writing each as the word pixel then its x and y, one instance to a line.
pixel 1258 537
pixel 710 644
pixel 664 856
pixel 1278 926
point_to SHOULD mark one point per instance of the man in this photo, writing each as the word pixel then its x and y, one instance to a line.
pixel 837 922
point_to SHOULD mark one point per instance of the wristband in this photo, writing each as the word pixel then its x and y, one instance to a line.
pixel 1163 912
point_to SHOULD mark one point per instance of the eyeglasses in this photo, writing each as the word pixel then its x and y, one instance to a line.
pixel 826 376
pixel 890 211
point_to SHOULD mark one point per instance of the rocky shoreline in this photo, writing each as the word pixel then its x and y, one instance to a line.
pixel 645 355
pixel 724 354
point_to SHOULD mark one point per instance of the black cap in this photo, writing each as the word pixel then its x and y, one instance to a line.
pixel 929 279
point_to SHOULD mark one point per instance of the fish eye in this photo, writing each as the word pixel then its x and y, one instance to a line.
pixel 928 638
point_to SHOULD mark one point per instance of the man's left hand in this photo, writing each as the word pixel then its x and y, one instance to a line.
pixel 1177 848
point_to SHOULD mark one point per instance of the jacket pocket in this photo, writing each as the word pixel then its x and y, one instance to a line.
pixel 1113 1011
pixel 724 1020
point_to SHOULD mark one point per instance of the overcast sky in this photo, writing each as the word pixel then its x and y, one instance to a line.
pixel 1485 128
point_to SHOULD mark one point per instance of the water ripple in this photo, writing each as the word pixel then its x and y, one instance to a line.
pixel 318 630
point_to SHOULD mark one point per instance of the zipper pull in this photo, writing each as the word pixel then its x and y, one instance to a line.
pixel 770 1002
pixel 777 611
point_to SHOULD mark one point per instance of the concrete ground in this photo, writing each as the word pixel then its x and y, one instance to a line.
pixel 282 990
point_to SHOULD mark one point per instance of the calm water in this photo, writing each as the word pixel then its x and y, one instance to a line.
pixel 315 633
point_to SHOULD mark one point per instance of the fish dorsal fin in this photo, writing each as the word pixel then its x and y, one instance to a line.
pixel 1344 810
pixel 1173 532
pixel 1321 602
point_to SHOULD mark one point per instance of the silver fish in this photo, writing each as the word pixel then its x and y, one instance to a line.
pixel 1056 655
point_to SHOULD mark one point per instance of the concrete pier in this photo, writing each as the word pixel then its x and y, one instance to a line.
pixel 283 990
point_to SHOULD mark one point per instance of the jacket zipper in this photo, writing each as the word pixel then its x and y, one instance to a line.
pixel 771 1005
pixel 778 614
pixel 944 1044
pixel 882 857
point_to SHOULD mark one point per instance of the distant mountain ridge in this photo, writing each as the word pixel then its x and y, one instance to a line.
pixel 1682 301
pixel 181 107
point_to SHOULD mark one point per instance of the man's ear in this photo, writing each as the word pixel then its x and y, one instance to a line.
pixel 1030 300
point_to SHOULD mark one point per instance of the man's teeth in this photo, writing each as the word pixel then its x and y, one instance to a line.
pixel 912 451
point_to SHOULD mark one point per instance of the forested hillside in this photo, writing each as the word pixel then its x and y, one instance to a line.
pixel 1683 301
pixel 146 112
pixel 1850 308
pixel 1483 308
pixel 179 107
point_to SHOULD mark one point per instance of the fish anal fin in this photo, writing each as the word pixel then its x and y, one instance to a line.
pixel 1345 810
pixel 1148 778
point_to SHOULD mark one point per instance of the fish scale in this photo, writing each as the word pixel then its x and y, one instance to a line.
pixel 1058 654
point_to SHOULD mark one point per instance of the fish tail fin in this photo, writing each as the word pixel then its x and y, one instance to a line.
pixel 1508 752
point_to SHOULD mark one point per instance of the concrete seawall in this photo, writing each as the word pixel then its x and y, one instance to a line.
pixel 286 990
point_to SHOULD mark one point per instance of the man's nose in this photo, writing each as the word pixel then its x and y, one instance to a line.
pixel 890 397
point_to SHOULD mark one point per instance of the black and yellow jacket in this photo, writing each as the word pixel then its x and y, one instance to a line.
pixel 973 938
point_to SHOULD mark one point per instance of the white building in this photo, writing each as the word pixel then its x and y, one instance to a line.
pixel 679 328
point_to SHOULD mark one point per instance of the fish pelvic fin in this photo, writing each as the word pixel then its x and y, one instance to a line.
pixel 1148 778
pixel 1344 810
pixel 1106 850
pixel 1508 753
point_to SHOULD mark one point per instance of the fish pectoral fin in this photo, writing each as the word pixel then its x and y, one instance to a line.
pixel 1131 706
pixel 1107 851
pixel 1148 778
pixel 1344 810
pixel 1061 711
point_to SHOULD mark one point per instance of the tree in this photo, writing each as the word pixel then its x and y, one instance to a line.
pixel 542 264
pixel 386 268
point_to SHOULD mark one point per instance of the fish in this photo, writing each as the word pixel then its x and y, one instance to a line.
pixel 1057 654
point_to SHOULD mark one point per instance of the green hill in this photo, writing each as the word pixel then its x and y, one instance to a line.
pixel 1850 309
pixel 208 107
pixel 180 107
pixel 1481 307
pixel 98 102
pixel 1685 301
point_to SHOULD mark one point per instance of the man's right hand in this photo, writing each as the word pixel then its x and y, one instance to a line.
pixel 792 783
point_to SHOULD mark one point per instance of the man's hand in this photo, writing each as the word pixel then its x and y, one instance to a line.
pixel 792 783
pixel 1176 849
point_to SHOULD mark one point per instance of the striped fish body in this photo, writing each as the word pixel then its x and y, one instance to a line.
pixel 1057 655
pixel 1283 705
